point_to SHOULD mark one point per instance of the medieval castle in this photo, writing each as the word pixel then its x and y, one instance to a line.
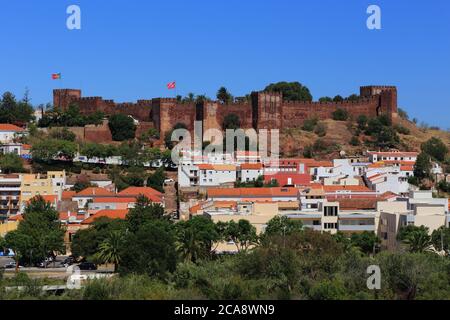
pixel 264 110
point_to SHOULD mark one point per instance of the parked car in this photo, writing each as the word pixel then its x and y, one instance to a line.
pixel 87 266
pixel 68 261
pixel 11 265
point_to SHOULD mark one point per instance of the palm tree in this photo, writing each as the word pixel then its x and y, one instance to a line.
pixel 109 249
pixel 188 245
pixel 418 241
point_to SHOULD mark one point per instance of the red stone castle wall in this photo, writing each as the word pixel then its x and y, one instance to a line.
pixel 264 111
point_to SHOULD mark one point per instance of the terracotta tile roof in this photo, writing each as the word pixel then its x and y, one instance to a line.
pixel 357 204
pixel 10 127
pixel 47 198
pixel 26 146
pixel 347 188
pixel 217 167
pixel 68 195
pixel 112 214
pixel 316 163
pixel 407 168
pixel 252 192
pixel 388 195
pixel 251 166
pixel 64 216
pixel 134 192
pixel 94 191
pixel 297 179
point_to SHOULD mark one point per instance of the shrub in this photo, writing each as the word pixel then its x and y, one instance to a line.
pixel 321 129
pixel 340 115
pixel 309 124
pixel 354 141
pixel 402 130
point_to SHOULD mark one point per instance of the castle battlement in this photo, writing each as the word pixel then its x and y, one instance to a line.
pixel 263 110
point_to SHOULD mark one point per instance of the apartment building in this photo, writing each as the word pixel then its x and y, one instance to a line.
pixel 329 217
pixel 9 195
pixel 395 156
pixel 254 194
pixel 50 184
pixel 419 209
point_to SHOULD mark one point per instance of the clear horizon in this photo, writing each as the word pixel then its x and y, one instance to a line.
pixel 130 50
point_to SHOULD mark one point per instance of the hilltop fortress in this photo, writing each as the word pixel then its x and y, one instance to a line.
pixel 264 110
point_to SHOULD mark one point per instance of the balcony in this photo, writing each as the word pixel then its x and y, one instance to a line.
pixel 349 227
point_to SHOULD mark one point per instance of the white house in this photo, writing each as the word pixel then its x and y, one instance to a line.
pixel 8 132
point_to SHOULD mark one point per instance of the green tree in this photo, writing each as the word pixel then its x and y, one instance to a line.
pixel 365 241
pixel 12 111
pixel 195 238
pixel 224 96
pixel 11 163
pixel 435 148
pixel 150 250
pixel 416 237
pixel 52 149
pixel 86 242
pixel 282 226
pixel 338 98
pixel 122 127
pixel 292 91
pixel 109 250
pixel 422 167
pixel 440 238
pixel 143 212
pixel 353 97
pixel 156 180
pixel 325 99
pixel 242 234
pixel 39 235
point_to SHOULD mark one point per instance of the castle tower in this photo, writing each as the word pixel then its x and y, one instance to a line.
pixel 63 97
pixel 266 109
pixel 387 99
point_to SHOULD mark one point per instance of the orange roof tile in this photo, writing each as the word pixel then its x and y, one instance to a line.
pixel 10 127
pixel 348 188
pixel 94 191
pixel 112 214
pixel 251 166
pixel 68 195
pixel 217 167
pixel 150 193
pixel 407 168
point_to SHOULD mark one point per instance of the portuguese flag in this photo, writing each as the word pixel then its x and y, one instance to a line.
pixel 56 76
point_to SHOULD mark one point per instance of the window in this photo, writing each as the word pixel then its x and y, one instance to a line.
pixel 331 212
pixel 330 225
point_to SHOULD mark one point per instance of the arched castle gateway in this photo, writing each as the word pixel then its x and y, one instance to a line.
pixel 264 110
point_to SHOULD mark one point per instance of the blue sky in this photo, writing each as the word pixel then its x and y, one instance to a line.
pixel 127 50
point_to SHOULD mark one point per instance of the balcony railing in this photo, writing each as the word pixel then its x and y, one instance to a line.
pixel 348 227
